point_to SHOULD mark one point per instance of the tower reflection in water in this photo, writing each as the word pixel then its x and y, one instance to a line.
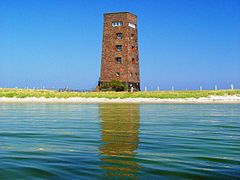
pixel 120 126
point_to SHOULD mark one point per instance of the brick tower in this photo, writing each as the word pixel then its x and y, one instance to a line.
pixel 120 50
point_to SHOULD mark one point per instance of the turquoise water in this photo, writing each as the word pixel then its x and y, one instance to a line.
pixel 86 141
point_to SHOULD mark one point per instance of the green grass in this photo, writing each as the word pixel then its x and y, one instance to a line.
pixel 22 93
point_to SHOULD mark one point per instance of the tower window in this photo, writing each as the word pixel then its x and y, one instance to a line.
pixel 119 35
pixel 133 61
pixel 119 47
pixel 136 74
pixel 117 23
pixel 119 60
pixel 130 74
pixel 132 25
pixel 117 74
pixel 133 48
pixel 132 36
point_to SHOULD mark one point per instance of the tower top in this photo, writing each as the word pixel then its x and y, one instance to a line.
pixel 119 13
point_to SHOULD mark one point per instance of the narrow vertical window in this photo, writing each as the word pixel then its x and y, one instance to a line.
pixel 133 48
pixel 132 36
pixel 119 60
pixel 133 61
pixel 119 47
pixel 119 35
pixel 118 74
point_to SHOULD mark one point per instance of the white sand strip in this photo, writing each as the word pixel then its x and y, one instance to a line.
pixel 207 100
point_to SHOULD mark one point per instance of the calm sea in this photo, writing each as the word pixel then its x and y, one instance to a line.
pixel 86 141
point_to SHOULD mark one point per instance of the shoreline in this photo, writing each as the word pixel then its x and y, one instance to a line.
pixel 203 100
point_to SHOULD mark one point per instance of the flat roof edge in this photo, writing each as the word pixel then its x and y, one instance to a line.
pixel 120 13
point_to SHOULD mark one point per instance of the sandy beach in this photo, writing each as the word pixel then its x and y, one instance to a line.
pixel 205 100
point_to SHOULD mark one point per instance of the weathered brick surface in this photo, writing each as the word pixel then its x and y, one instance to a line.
pixel 129 68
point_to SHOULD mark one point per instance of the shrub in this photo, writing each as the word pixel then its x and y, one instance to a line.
pixel 113 86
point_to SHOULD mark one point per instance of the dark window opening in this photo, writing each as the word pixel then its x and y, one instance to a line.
pixel 134 61
pixel 131 74
pixel 132 36
pixel 119 60
pixel 119 35
pixel 119 47
pixel 133 48
pixel 117 74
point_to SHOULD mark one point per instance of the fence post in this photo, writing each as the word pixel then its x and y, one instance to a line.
pixel 131 89
pixel 231 86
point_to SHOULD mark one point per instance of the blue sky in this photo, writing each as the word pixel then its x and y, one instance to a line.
pixel 182 43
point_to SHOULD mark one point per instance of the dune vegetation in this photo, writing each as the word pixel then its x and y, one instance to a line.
pixel 23 93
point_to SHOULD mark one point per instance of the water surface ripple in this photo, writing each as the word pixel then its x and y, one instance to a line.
pixel 69 141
